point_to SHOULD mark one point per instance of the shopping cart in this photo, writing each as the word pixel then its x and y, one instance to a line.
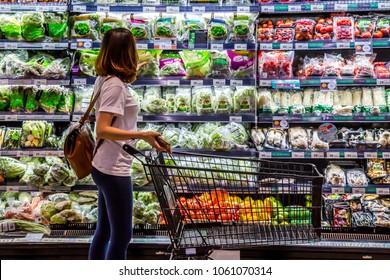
pixel 213 202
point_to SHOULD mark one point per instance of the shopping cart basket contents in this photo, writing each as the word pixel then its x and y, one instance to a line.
pixel 213 202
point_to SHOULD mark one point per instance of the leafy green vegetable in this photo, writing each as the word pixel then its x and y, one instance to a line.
pixel 138 208
pixel 48 209
pixel 50 98
pixel 32 103
pixel 16 99
pixel 41 169
pixel 4 98
pixel 21 225
pixel 32 26
pixel 10 27
pixel 12 168
pixel 57 26
pixel 197 63
pixel 66 102
pixel 12 138
pixel 59 172
pixel 37 181
pixel 87 62
pixel 58 219
pixel 33 134
pixel 82 29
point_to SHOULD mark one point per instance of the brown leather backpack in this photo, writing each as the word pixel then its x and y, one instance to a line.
pixel 79 148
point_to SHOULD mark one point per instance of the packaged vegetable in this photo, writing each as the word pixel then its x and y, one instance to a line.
pixel 285 103
pixel 265 102
pixel 11 27
pixel 298 138
pixel 364 27
pixel 284 35
pixel 33 134
pixel 32 103
pixel 172 134
pixel 169 94
pixel 238 133
pixel 335 176
pixel 341 215
pixel 367 99
pixel 203 100
pixel 16 98
pixel 151 58
pixel 307 101
pixel 275 64
pixel 166 26
pixel 82 98
pixel 296 102
pixel 197 63
pixel 304 29
pixel 219 65
pixel 50 98
pixel 242 64
pixel 356 178
pixel 218 28
pixel 4 98
pixel 357 99
pixel 191 22
pixel 220 139
pixel 153 102
pixel 56 25
pixel 85 26
pixel 324 29
pixel 203 132
pixel 317 143
pixel 84 62
pixel 66 102
pixel 332 65
pixel 223 100
pixel 244 100
pixel 379 100
pixel 171 64
pixel 183 100
pixel 139 25
pixel 276 139
pixel 242 27
pixel 343 28
pixel 109 23
pixel 189 140
pixel 12 168
pixel 32 26
pixel 265 31
pixel 382 27
pixel 364 65
pixel 342 102
pixel 12 138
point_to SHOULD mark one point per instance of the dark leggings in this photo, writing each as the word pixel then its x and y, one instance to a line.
pixel 115 217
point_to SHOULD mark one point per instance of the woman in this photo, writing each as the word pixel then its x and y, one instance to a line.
pixel 116 122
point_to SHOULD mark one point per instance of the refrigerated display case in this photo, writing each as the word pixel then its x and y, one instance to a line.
pixel 269 80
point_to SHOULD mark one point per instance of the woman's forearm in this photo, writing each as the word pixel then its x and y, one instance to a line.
pixel 113 133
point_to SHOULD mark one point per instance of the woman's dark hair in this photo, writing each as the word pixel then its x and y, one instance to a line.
pixel 118 55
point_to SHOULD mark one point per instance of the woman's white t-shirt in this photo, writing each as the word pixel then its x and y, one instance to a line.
pixel 115 98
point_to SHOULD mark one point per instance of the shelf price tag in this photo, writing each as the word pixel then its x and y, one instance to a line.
pixel 60 8
pixel 40 8
pixel 243 9
pixel 173 83
pixel 79 8
pixel 5 8
pixel 267 8
pixel 51 153
pixel 364 47
pixel 12 188
pixel 148 9
pixel 370 154
pixel 317 154
pixel 294 8
pixel 240 47
pixel 40 82
pixel 48 46
pixel 165 43
pixel 10 46
pixel 103 8
pixel 343 45
pixel 237 119
pixel 39 154
pixel 358 190
pixel 340 7
pixel 317 7
pixel 286 46
pixel 79 82
pixel 219 82
pixel 350 155
pixel 333 155
pixel 33 237
pixel 265 155
pixel 173 9
pixel 382 191
pixel 11 118
pixel 216 47
pixel 383 82
pixel 266 46
pixel 338 190
pixel 140 118
pixel 60 153
pixel 198 9
pixel 301 46
pixel 22 153
pixel 265 83
pixel 385 155
pixel 5 227
pixel 236 82
pixel 196 82
pixel 384 5
pixel 142 46
pixel 298 155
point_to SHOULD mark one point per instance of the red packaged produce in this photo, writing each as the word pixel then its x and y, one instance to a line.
pixel 284 35
pixel 343 28
pixel 324 26
pixel 285 23
pixel 382 28
pixel 304 29
pixel 312 66
pixel 326 36
pixel 275 64
pixel 364 65
pixel 265 34
pixel 381 71
pixel 364 27
pixel 333 64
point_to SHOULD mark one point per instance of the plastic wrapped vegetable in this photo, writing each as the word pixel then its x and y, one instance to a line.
pixel 84 62
pixel 59 172
pixel 4 98
pixel 82 98
pixel 32 103
pixel 153 103
pixel 223 100
pixel 110 23
pixel 12 168
pixel 172 134
pixel 139 25
pixel 50 98
pixel 12 138
pixel 203 131
pixel 151 68
pixel 16 99
pixel 71 180
pixel 191 22
pixel 10 27
pixel 171 64
pixel 56 25
pixel 66 102
pixel 169 96
pixel 32 26
pixel 41 169
pixel 203 100
pixel 242 64
pixel 219 65
pixel 218 28
pixel 238 133
pixel 85 26
pixel 197 63
pixel 244 99
pixel 33 134
pixel 183 100
pixel 189 140
pixel 220 139
pixel 243 28
pixel 166 26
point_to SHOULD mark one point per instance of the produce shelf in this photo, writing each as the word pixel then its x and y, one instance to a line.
pixel 323 45
pixel 9 45
pixel 325 6
pixel 330 154
pixel 239 153
pixel 9 117
pixel 369 189
pixel 328 117
pixel 83 44
pixel 39 7
pixel 173 81
pixel 295 83
pixel 34 81
pixel 31 153
pixel 199 8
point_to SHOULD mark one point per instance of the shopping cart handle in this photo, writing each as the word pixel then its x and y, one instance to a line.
pixel 130 150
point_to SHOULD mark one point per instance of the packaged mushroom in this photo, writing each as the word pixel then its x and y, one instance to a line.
pixel 342 102
pixel 276 139
pixel 317 144
pixel 376 168
pixel 357 99
pixel 258 137
pixel 356 178
pixel 335 176
pixel 298 138
pixel 384 138
pixel 296 102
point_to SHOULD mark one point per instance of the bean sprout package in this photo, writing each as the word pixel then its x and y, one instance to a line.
pixel 242 64
pixel 343 102
pixel 223 100
pixel 151 58
pixel 85 26
pixel 275 64
pixel 243 27
pixel 139 25
pixel 171 64
pixel 323 102
pixel 244 99
pixel 183 100
pixel 203 100
pixel 197 63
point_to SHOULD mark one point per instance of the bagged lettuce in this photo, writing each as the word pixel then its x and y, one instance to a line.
pixel 85 26
pixel 151 67
pixel 166 26
pixel 4 98
pixel 50 98
pixel 32 26
pixel 11 27
pixel 197 63
pixel 16 99
pixel 244 99
pixel 169 94
pixel 219 65
pixel 223 100
pixel 109 23
pixel 189 140
pixel 203 100
pixel 183 100
pixel 66 102
pixel 56 25
pixel 32 103
pixel 139 25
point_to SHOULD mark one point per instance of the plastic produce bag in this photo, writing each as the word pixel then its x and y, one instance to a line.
pixel 12 138
pixel 357 99
pixel 171 64
pixel 183 100
pixel 32 103
pixel 82 98
pixel 238 133
pixel 56 25
pixel 151 58
pixel 266 103
pixel 343 28
pixel 298 138
pixel 139 25
pixel 220 139
pixel 33 134
pixel 32 26
pixel 172 134
pixel 191 22
pixel 197 63
pixel 218 28
pixel 85 26
pixel 223 100
pixel 285 104
pixel 169 94
pixel 335 176
pixel 242 64
pixel 84 62
pixel 242 28
pixel 296 102
pixel 308 99
pixel 11 27
pixel 166 26
pixel 16 98
pixel 4 98
pixel 219 65
pixel 109 23
pixel 276 139
pixel 367 100
pixel 66 102
pixel 50 98
pixel 379 99
pixel 189 140
pixel 203 100
pixel 244 99
pixel 342 103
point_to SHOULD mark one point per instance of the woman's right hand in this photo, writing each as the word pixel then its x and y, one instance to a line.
pixel 150 137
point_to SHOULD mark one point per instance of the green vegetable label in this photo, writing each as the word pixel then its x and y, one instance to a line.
pixel 245 104
pixel 15 136
pixel 222 104
pixel 220 61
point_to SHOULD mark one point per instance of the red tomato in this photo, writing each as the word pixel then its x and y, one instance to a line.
pixel 226 217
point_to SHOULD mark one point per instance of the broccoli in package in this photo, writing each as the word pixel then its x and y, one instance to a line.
pixel 183 100
pixel 171 64
pixel 85 26
pixel 151 67
pixel 242 64
pixel 203 100
pixel 197 63
pixel 244 99
pixel 11 27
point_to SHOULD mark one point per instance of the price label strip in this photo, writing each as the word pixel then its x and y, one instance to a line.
pixel 338 190
pixel 382 191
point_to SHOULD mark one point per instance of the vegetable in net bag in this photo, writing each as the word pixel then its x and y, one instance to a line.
pixel 244 99
pixel 203 100
pixel 197 63
pixel 171 64
pixel 183 100
pixel 32 103
pixel 151 58
pixel 223 100
pixel 11 27
pixel 50 98
pixel 32 26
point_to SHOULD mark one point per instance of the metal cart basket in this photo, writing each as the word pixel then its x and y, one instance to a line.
pixel 212 202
